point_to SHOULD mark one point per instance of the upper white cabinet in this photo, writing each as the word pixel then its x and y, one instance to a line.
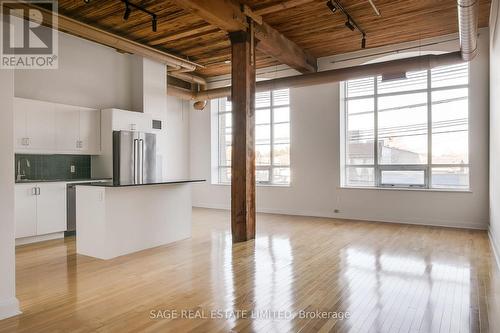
pixel 90 131
pixel 67 128
pixel 43 127
pixel 130 121
pixel 34 125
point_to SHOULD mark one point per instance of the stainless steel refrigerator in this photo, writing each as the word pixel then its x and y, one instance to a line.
pixel 134 157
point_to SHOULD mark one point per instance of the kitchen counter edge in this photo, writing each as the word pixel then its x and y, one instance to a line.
pixel 167 182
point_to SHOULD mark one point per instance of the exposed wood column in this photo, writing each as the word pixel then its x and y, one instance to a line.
pixel 243 150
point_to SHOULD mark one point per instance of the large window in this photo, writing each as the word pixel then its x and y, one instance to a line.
pixel 272 138
pixel 411 131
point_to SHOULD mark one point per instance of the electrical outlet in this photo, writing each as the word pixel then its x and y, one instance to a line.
pixel 72 168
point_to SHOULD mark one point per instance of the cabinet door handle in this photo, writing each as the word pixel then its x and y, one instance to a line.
pixel 38 189
pixel 33 191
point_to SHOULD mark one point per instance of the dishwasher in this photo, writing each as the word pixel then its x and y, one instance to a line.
pixel 70 210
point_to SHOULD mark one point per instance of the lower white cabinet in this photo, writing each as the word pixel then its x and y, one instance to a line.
pixel 40 209
pixel 25 202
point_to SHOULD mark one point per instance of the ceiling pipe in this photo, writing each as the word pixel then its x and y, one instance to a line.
pixel 199 82
pixel 335 75
pixel 181 93
pixel 468 13
pixel 375 9
pixel 188 77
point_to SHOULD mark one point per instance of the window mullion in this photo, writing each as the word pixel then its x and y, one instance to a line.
pixel 375 131
pixel 346 130
pixel 429 129
pixel 271 159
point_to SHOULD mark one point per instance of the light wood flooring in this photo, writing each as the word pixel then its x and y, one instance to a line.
pixel 384 277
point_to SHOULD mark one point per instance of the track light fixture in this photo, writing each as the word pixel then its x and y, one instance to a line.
pixel 334 5
pixel 349 25
pixel 331 5
pixel 127 11
pixel 154 24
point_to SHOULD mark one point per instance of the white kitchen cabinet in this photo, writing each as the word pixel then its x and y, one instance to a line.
pixel 131 121
pixel 25 208
pixel 40 209
pixel 90 131
pixel 40 126
pixel 44 127
pixel 34 126
pixel 67 128
pixel 51 208
pixel 20 123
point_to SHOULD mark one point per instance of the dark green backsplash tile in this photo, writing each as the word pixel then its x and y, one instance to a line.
pixel 52 167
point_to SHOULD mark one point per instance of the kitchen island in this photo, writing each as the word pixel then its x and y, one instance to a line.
pixel 117 218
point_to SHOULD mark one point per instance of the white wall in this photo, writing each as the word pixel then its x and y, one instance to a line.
pixel 89 75
pixel 9 305
pixel 173 139
pixel 178 135
pixel 495 124
pixel 315 165
pixel 97 76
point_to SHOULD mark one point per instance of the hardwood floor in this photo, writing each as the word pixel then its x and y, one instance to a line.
pixel 387 277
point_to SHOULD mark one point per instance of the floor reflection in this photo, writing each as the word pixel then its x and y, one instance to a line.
pixel 388 278
pixel 406 292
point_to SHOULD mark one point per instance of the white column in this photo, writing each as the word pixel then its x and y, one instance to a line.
pixel 9 306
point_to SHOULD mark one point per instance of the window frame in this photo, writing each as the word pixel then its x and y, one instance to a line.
pixel 379 168
pixel 271 167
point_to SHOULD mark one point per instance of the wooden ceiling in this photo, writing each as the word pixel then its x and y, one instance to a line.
pixel 311 25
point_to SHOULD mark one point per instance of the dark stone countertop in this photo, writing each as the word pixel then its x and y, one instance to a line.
pixel 30 181
pixel 159 182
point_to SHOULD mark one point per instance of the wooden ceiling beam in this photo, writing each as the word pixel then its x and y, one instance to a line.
pixel 188 32
pixel 227 15
pixel 281 6
pixel 94 34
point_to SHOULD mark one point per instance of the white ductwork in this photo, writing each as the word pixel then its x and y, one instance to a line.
pixel 468 13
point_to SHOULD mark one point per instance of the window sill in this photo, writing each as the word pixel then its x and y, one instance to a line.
pixel 404 189
pixel 257 185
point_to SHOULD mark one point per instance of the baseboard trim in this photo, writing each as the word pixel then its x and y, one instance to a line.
pixel 432 223
pixel 40 238
pixel 9 308
pixel 495 249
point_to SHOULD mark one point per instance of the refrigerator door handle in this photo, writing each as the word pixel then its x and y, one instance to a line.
pixel 141 159
pixel 136 158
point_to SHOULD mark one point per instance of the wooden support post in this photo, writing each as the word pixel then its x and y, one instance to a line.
pixel 243 151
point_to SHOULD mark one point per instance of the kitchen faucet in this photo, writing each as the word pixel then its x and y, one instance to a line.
pixel 19 174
